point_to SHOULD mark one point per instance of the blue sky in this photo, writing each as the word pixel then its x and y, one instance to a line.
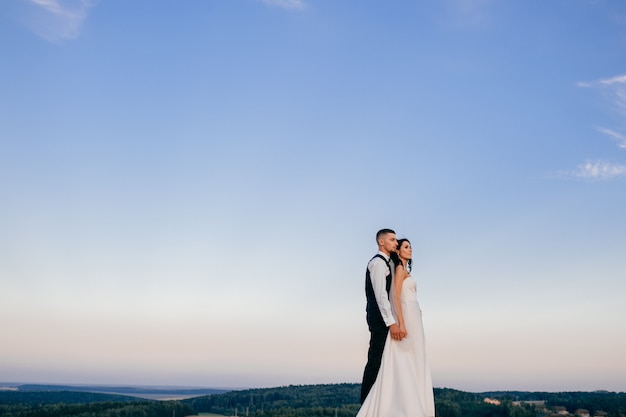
pixel 190 190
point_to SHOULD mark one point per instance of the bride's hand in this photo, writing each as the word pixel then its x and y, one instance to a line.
pixel 396 332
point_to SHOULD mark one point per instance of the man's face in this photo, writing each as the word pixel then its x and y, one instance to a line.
pixel 389 243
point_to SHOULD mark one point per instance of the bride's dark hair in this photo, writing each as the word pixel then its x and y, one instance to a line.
pixel 394 257
pixel 409 262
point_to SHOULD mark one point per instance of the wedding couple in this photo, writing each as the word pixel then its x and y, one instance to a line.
pixel 396 380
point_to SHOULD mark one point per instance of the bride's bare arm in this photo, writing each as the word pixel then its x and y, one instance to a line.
pixel 400 275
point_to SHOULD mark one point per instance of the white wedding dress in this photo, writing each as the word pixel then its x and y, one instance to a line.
pixel 403 387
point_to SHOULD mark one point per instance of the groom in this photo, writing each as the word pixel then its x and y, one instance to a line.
pixel 379 317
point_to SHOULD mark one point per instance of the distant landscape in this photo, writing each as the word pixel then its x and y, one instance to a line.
pixel 332 400
pixel 148 392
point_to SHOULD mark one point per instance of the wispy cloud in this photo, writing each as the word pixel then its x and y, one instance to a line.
pixel 616 136
pixel 620 79
pixel 615 89
pixel 286 4
pixel 56 20
pixel 597 170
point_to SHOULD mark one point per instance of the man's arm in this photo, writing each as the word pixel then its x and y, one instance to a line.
pixel 378 273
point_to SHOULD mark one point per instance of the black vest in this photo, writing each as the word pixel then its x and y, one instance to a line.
pixel 373 312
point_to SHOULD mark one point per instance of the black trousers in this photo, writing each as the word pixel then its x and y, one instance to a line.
pixel 378 336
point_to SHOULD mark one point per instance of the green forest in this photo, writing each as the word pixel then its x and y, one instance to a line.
pixel 85 404
pixel 342 400
pixel 332 400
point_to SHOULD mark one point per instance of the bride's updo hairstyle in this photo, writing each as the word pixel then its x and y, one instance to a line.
pixel 409 263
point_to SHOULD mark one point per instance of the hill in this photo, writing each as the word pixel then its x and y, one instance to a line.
pixel 65 397
pixel 149 392
pixel 85 404
pixel 332 400
pixel 342 400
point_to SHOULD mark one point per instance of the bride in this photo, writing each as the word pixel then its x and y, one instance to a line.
pixel 403 387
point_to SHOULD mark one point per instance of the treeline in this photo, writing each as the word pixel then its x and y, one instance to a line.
pixel 450 403
pixel 610 402
pixel 329 400
pixel 81 404
pixel 453 403
pixel 66 397
pixel 342 400
pixel 292 400
pixel 121 390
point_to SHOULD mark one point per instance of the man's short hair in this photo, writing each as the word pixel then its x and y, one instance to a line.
pixel 382 233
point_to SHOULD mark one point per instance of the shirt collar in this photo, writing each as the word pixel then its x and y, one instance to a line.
pixel 384 255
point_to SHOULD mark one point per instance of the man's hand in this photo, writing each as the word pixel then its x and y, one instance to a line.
pixel 396 332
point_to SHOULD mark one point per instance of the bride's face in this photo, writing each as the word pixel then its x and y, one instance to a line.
pixel 405 252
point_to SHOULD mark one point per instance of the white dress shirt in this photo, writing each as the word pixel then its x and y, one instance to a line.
pixel 378 272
